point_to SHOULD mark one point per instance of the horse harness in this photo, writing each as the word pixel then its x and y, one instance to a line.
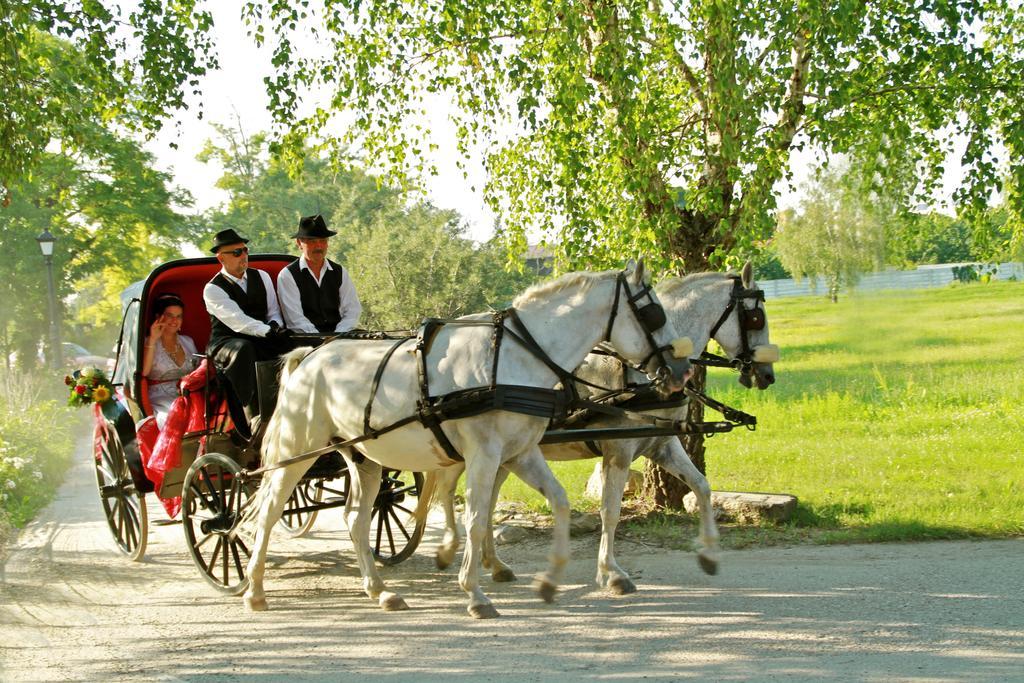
pixel 556 404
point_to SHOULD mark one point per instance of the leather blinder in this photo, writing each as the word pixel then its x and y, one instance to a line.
pixel 753 319
pixel 652 316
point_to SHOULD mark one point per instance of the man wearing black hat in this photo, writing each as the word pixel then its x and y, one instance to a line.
pixel 317 295
pixel 245 320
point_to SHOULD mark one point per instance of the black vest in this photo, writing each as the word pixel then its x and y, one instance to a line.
pixel 252 302
pixel 321 303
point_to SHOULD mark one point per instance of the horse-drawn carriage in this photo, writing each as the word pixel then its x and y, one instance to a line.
pixel 205 467
pixel 453 392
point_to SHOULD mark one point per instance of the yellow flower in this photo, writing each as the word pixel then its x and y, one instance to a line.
pixel 100 394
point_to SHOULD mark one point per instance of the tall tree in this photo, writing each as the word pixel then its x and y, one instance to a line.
pixel 417 262
pixel 652 126
pixel 837 233
pixel 65 66
pixel 630 126
pixel 928 238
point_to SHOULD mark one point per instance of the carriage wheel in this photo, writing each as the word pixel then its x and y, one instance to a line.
pixel 295 524
pixel 392 525
pixel 123 506
pixel 212 499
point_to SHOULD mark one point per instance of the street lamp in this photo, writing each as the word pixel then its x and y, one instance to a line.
pixel 46 241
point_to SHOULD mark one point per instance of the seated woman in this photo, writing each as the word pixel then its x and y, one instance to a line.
pixel 168 355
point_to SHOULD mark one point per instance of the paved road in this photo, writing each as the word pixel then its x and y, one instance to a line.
pixel 71 609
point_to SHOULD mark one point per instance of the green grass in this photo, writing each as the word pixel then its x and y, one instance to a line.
pixel 36 439
pixel 895 416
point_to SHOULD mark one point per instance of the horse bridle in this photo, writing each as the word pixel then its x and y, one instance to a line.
pixel 749 320
pixel 651 317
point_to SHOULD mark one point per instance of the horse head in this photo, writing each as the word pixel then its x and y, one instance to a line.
pixel 744 335
pixel 650 340
pixel 728 308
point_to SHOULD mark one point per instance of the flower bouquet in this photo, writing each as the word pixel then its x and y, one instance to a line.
pixel 88 385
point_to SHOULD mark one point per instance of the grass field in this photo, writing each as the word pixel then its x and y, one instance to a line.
pixel 895 416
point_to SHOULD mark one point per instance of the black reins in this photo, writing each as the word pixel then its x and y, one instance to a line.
pixel 651 317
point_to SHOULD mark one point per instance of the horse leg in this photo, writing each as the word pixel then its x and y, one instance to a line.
pixel 533 469
pixel 364 485
pixel 271 498
pixel 674 459
pixel 480 475
pixel 615 472
pixel 500 571
pixel 447 479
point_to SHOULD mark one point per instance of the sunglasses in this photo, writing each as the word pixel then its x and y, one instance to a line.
pixel 237 252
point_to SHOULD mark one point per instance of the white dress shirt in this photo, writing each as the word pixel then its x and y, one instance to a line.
pixel 291 300
pixel 224 308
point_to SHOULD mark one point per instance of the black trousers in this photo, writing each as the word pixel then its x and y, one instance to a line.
pixel 236 358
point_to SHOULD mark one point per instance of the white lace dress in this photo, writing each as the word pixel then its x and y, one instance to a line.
pixel 161 391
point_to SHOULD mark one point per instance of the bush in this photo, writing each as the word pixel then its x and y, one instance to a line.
pixel 975 272
pixel 36 440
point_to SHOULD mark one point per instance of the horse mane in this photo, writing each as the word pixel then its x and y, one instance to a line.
pixel 583 280
pixel 674 286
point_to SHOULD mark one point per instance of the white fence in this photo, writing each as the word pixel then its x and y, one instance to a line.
pixel 923 277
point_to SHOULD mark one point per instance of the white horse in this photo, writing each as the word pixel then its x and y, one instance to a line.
pixel 325 397
pixel 699 306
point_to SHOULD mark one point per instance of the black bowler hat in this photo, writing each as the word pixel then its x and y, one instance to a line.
pixel 226 237
pixel 312 227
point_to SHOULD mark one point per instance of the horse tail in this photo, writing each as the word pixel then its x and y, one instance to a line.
pixel 289 362
pixel 436 483
pixel 426 498
pixel 272 450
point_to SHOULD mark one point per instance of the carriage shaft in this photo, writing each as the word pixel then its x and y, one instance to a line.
pixel 640 432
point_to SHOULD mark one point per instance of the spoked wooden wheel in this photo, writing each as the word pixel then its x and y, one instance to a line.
pixel 393 527
pixel 123 505
pixel 212 500
pixel 297 518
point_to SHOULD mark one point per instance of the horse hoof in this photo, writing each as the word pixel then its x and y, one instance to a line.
pixel 709 565
pixel 504 575
pixel 441 562
pixel 545 589
pixel 256 604
pixel 482 611
pixel 621 585
pixel 392 602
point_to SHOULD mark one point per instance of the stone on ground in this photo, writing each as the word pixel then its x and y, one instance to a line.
pixel 583 523
pixel 745 507
pixel 510 533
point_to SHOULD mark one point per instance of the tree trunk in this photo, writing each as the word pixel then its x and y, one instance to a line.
pixel 693 444
pixel 690 242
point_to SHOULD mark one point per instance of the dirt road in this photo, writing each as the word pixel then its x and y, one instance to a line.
pixel 72 609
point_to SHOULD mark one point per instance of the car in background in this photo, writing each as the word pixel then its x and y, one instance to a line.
pixel 77 357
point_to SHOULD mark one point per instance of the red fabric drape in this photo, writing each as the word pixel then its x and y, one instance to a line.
pixel 161 448
pixel 187 414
